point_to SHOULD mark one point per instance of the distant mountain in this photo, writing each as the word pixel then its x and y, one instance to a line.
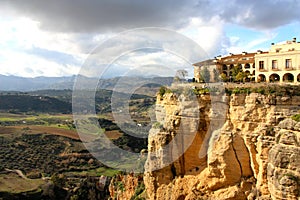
pixel 16 83
pixel 122 84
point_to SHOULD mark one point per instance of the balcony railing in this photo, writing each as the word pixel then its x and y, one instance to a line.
pixel 275 69
pixel 262 70
pixel 290 68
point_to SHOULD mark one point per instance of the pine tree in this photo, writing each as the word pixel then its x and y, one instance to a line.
pixel 205 75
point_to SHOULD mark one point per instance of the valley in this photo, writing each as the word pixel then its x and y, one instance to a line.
pixel 38 137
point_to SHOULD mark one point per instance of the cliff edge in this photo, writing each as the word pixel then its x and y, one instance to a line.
pixel 239 146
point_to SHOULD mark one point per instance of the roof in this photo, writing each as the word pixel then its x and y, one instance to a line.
pixel 237 58
pixel 205 63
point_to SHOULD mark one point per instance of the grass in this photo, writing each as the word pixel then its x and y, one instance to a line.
pixel 127 164
pixel 12 183
pixel 58 121
pixel 106 172
pixel 98 172
pixel 43 117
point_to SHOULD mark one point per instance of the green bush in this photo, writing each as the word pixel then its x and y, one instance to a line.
pixel 121 186
pixel 157 125
pixel 162 91
pixel 139 190
pixel 200 91
pixel 296 117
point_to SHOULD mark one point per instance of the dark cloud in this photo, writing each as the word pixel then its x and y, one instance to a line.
pixel 260 14
pixel 111 15
pixel 94 15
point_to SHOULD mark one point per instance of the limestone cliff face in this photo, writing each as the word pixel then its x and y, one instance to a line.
pixel 126 187
pixel 224 147
pixel 284 162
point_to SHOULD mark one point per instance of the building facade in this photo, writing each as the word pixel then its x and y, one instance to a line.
pixel 198 67
pixel 281 64
pixel 244 61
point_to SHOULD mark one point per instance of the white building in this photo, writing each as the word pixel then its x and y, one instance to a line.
pixel 280 64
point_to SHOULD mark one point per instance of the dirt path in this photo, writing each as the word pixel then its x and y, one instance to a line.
pixel 19 172
pixel 46 130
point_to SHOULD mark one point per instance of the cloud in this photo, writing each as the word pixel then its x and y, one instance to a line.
pixel 104 15
pixel 53 56
pixel 149 47
pixel 22 64
pixel 210 35
pixel 62 33
pixel 258 14
pixel 116 15
pixel 28 51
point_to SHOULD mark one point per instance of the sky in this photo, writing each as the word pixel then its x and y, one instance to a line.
pixel 59 37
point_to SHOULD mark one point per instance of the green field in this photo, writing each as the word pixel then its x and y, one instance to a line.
pixel 12 183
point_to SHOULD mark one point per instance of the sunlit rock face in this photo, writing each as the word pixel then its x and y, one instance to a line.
pixel 224 147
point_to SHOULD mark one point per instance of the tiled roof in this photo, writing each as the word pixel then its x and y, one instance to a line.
pixel 205 63
pixel 237 58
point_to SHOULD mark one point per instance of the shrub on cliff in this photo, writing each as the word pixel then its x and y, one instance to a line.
pixel 296 117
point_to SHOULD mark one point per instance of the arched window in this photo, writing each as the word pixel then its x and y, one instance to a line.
pixel 261 78
pixel 288 77
pixel 274 78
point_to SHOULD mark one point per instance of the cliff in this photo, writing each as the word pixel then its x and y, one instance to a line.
pixel 224 147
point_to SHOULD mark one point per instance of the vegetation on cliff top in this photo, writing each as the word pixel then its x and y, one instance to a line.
pixel 277 90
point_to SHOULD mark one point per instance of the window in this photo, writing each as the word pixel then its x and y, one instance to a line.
pixel 274 64
pixel 261 64
pixel 288 63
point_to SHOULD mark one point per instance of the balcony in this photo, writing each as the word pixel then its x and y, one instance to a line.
pixel 290 68
pixel 262 70
pixel 275 69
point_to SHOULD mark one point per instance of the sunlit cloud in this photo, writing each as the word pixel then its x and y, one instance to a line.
pixel 55 38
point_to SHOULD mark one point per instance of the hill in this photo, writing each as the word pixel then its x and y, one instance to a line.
pixel 27 103
pixel 120 84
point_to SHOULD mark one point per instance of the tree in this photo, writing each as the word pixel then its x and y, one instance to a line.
pixel 216 75
pixel 235 71
pixel 181 74
pixel 205 74
pixel 223 77
pixel 240 76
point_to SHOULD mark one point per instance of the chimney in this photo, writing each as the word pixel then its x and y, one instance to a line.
pixel 272 43
pixel 244 53
pixel 294 40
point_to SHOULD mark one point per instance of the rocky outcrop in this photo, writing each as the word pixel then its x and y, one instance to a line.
pixel 224 147
pixel 126 187
pixel 284 161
